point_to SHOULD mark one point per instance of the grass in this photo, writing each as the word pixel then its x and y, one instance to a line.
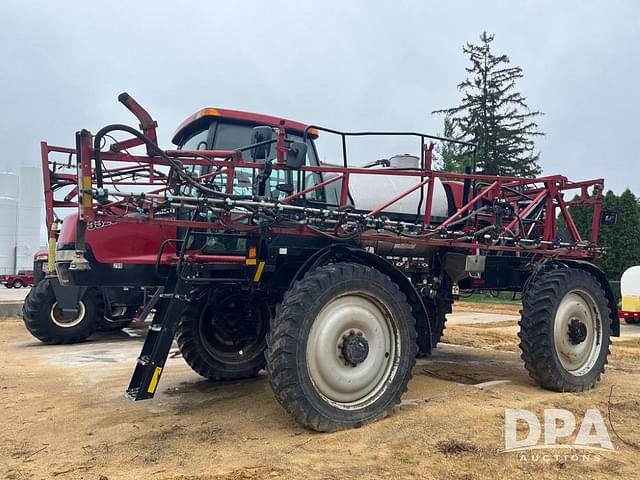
pixel 504 298
pixel 407 457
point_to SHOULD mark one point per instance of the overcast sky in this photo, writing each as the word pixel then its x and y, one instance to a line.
pixel 343 64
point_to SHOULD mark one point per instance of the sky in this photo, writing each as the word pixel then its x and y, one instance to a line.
pixel 350 65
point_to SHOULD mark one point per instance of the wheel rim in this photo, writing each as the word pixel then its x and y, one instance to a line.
pixel 353 350
pixel 578 332
pixel 67 321
pixel 231 333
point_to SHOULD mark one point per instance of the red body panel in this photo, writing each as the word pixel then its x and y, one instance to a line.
pixel 120 242
pixel 257 118
pixel 41 254
pixel 457 192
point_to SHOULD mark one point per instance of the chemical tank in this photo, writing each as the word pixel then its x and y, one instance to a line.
pixel 371 191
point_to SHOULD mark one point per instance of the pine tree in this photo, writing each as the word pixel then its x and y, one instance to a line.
pixel 495 116
pixel 452 157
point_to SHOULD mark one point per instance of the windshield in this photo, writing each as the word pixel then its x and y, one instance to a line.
pixel 227 135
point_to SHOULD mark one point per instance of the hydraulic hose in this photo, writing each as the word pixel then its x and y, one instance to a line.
pixel 152 147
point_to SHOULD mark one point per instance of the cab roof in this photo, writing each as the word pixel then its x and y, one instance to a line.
pixel 206 114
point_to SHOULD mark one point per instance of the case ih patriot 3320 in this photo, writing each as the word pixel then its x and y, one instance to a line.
pixel 333 277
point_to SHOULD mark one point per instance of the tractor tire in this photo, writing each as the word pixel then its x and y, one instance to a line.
pixel 45 321
pixel 437 315
pixel 439 311
pixel 341 347
pixel 564 330
pixel 224 343
pixel 18 284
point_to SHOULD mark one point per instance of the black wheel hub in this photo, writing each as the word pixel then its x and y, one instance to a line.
pixel 231 329
pixel 355 349
pixel 577 332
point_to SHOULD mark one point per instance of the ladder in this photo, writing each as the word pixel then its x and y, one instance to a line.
pixel 159 339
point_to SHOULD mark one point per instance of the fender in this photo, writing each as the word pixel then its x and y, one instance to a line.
pixel 604 283
pixel 358 255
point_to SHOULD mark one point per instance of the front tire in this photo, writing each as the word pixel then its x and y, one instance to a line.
pixel 564 330
pixel 341 347
pixel 45 321
pixel 18 284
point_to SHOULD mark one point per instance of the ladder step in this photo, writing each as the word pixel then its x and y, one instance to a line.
pixel 143 361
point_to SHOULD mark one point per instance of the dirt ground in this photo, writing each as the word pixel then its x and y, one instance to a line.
pixel 64 416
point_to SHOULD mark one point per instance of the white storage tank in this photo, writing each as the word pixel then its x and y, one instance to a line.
pixel 30 201
pixel 8 219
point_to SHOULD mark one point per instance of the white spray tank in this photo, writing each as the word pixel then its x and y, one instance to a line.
pixel 369 192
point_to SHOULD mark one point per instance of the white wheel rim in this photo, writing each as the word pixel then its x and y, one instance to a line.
pixel 59 319
pixel 578 352
pixel 351 316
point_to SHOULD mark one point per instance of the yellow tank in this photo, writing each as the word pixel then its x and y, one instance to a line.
pixel 630 290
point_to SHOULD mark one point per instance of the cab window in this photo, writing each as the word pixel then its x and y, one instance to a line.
pixel 197 141
pixel 230 136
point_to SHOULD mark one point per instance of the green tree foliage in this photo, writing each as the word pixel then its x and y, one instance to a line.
pixel 493 115
pixel 452 157
pixel 621 240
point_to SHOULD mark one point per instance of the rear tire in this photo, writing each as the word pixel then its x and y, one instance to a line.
pixel 341 347
pixel 564 330
pixel 45 321
pixel 224 341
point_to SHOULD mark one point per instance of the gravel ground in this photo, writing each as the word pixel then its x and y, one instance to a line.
pixel 65 416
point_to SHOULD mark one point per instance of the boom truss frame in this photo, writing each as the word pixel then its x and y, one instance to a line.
pixel 505 214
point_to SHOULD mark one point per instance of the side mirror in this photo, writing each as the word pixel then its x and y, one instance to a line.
pixel 285 187
pixel 609 217
pixel 261 134
pixel 296 155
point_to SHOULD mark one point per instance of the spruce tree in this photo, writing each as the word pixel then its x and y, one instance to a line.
pixel 494 115
pixel 451 157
